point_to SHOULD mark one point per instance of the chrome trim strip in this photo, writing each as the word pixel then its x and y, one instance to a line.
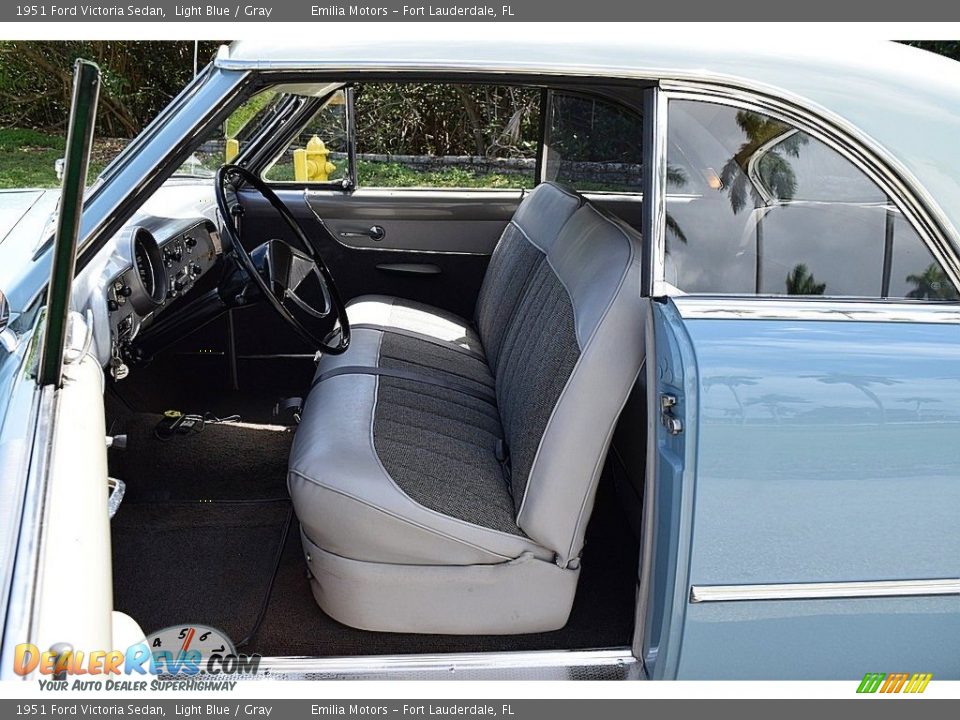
pixel 450 664
pixel 826 590
pixel 654 230
pixel 27 580
pixel 714 307
pixel 753 171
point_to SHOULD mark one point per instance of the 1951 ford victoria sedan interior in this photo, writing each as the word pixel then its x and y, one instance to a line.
pixel 662 381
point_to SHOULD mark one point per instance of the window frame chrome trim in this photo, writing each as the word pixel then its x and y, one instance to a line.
pixel 825 590
pixel 773 307
pixel 654 213
pixel 916 205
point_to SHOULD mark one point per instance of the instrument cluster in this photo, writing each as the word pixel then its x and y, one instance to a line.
pixel 159 272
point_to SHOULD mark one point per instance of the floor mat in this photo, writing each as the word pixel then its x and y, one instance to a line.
pixel 602 613
pixel 222 462
pixel 190 562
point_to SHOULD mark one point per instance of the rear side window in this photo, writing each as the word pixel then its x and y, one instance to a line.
pixel 593 145
pixel 756 206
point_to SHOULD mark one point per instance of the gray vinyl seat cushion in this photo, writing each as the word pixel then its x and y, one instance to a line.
pixel 444 470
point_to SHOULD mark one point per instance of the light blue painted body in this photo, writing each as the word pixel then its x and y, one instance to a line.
pixel 825 452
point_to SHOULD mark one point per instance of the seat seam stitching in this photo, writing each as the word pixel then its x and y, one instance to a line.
pixel 408 521
pixel 616 294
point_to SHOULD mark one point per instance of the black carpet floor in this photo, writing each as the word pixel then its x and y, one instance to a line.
pixel 197 540
pixel 191 562
pixel 221 462
pixel 602 612
pixel 199 384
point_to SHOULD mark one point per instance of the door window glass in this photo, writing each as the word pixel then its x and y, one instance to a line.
pixel 446 135
pixel 593 145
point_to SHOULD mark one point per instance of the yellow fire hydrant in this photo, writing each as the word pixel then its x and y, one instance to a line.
pixel 310 164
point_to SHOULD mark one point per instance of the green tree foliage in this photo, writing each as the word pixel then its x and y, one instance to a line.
pixel 138 79
pixel 950 48
pixel 582 129
pixel 443 119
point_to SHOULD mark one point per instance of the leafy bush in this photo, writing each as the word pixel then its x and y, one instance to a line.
pixel 138 78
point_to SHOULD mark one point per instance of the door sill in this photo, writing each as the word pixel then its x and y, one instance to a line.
pixel 609 664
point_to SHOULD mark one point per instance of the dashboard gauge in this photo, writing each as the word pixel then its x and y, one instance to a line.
pixel 148 284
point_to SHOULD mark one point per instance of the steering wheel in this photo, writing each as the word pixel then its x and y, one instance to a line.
pixel 277 268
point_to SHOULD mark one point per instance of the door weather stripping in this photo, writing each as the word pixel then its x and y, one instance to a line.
pixel 815 591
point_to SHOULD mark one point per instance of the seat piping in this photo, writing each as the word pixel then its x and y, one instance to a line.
pixel 476 392
pixel 448 344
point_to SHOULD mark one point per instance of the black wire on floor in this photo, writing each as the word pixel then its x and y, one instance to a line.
pixel 273 579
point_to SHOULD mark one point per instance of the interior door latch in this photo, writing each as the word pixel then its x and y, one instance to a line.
pixel 673 424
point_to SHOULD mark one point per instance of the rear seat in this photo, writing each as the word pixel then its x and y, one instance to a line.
pixel 444 471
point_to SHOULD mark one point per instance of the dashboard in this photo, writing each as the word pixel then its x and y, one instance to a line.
pixel 163 263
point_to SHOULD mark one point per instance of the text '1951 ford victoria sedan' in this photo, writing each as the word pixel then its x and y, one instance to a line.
pixel 659 379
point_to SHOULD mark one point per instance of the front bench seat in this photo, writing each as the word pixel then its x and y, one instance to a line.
pixel 443 476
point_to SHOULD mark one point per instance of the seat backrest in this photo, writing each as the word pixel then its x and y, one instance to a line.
pixel 564 360
pixel 538 219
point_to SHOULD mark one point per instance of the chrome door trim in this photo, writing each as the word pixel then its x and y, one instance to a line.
pixel 654 230
pixel 825 590
pixel 720 307
pixel 25 584
pixel 547 664
pixel 916 204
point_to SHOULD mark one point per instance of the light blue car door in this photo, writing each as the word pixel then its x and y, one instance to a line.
pixel 806 490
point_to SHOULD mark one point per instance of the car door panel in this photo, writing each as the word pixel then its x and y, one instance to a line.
pixel 825 453
pixel 416 220
pixel 454 278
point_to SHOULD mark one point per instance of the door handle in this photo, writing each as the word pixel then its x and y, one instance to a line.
pixel 374 232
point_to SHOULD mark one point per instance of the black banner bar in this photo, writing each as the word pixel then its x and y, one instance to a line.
pixel 321 11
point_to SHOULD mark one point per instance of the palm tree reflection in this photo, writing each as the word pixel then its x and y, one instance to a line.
pixel 766 149
pixel 801 282
pixel 732 382
pixel 861 383
pixel 931 284
pixel 762 169
pixel 777 404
